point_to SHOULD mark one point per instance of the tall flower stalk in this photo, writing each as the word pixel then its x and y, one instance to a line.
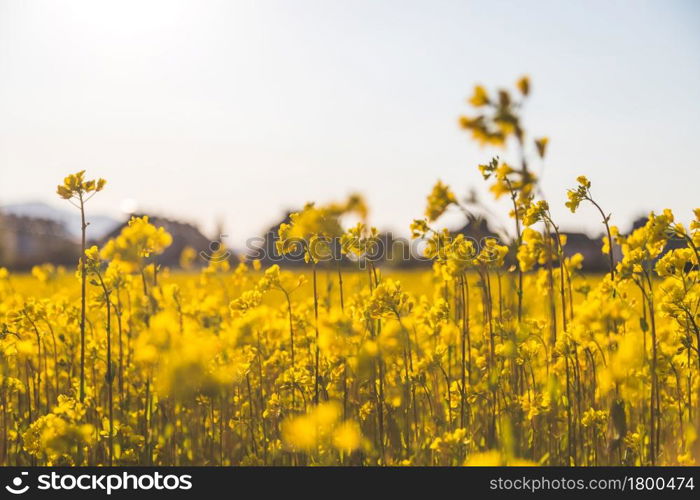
pixel 93 268
pixel 78 192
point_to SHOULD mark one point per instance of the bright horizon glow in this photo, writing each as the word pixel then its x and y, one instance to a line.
pixel 209 110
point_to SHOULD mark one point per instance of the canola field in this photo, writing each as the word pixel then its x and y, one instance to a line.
pixel 501 353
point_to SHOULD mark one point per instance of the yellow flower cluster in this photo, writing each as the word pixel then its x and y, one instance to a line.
pixel 137 241
pixel 75 186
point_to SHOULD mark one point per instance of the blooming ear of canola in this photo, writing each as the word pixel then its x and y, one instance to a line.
pixel 504 354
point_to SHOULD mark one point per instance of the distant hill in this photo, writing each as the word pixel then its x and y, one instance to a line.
pixel 100 225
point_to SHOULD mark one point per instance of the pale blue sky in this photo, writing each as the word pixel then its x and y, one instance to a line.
pixel 209 109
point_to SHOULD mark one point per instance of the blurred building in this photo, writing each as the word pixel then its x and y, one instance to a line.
pixel 28 241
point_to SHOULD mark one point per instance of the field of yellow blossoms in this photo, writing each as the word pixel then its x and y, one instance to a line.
pixel 504 354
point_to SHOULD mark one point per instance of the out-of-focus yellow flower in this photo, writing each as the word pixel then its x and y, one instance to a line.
pixel 58 434
pixel 541 145
pixel 523 85
pixel 347 437
pixel 187 257
pixel 439 199
pixel 321 426
pixel 137 241
pixel 480 97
